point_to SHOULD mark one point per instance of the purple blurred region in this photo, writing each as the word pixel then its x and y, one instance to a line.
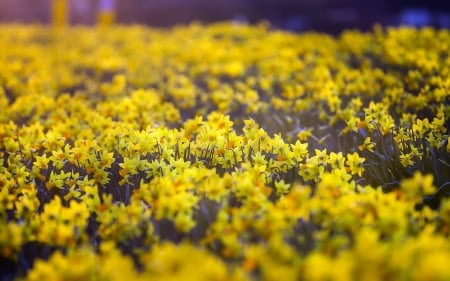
pixel 296 15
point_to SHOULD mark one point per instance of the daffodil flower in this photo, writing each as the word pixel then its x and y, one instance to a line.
pixel 355 163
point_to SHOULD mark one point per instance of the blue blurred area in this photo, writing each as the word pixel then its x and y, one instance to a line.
pixel 296 15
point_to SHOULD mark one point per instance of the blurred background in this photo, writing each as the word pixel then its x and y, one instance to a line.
pixel 296 15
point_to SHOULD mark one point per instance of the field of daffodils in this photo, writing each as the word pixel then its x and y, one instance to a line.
pixel 224 152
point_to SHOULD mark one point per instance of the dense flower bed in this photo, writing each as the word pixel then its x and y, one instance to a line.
pixel 224 152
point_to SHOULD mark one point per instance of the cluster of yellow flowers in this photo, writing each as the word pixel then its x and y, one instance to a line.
pixel 259 154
